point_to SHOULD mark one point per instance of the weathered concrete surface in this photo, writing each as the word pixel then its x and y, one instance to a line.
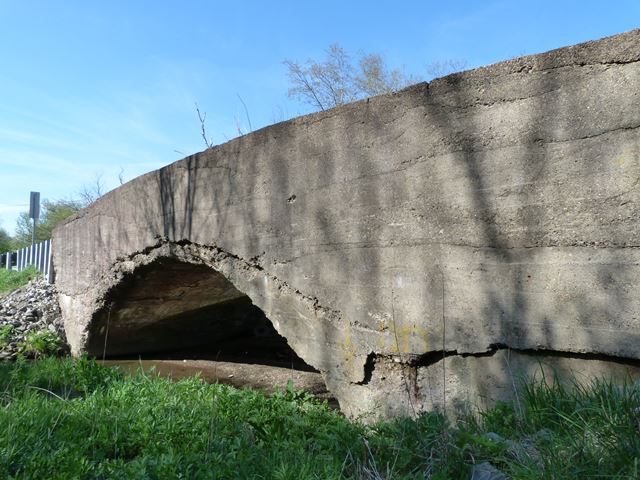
pixel 490 210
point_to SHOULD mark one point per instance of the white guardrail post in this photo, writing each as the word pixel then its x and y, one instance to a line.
pixel 38 255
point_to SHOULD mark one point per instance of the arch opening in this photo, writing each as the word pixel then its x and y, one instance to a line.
pixel 175 310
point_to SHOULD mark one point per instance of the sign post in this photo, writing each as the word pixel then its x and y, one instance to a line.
pixel 34 213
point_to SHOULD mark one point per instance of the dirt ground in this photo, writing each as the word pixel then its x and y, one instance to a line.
pixel 266 378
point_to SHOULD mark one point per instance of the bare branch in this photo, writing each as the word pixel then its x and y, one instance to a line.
pixel 203 130
pixel 302 87
pixel 246 112
pixel 277 114
pixel 445 67
pixel 238 127
pixel 90 193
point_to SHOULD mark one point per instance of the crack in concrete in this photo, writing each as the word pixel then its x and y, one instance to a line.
pixel 594 135
pixel 435 357
pixel 490 104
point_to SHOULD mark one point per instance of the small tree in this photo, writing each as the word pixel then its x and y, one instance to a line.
pixel 52 213
pixel 337 80
pixel 375 78
pixel 6 242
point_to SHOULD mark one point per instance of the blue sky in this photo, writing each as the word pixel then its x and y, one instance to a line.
pixel 92 87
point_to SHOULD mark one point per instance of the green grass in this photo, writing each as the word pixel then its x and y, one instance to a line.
pixel 39 343
pixel 67 419
pixel 5 335
pixel 10 279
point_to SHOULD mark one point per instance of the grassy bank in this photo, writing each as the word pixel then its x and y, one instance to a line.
pixel 63 418
pixel 10 279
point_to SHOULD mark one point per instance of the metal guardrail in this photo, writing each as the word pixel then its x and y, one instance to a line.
pixel 37 255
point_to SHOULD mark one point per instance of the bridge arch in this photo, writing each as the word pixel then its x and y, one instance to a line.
pixel 407 245
pixel 184 307
pixel 171 298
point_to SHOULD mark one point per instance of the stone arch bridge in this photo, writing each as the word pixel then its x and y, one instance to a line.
pixel 419 249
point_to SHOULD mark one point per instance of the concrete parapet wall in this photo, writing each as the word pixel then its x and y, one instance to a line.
pixel 487 211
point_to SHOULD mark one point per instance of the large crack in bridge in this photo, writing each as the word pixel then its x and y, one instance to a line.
pixel 420 250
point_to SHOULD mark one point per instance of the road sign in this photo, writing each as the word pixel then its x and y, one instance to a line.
pixel 34 206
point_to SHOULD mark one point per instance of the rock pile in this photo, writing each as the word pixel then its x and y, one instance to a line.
pixel 32 308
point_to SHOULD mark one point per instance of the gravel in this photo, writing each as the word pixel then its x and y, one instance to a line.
pixel 31 308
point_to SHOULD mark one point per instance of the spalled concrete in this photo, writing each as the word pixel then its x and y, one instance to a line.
pixel 399 241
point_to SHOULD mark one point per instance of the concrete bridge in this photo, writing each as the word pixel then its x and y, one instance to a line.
pixel 421 249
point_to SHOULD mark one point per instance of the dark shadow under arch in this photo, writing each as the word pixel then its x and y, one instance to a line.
pixel 170 309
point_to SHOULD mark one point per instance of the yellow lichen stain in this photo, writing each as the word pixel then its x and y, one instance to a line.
pixel 627 161
pixel 622 158
pixel 409 338
pixel 347 347
pixel 350 360
pixel 629 165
